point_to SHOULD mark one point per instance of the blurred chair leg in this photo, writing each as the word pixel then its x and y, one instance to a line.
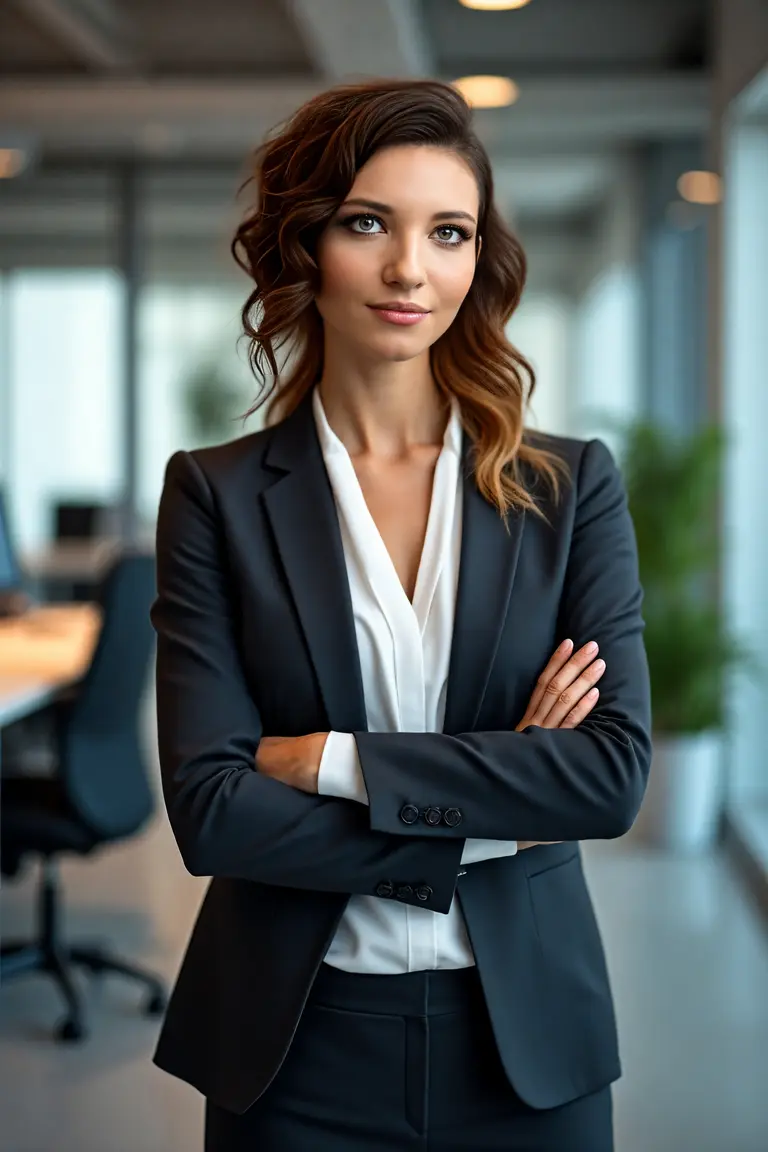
pixel 72 1027
pixel 50 954
pixel 47 955
pixel 20 957
pixel 99 961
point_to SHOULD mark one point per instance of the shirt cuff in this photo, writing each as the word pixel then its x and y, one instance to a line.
pixel 477 850
pixel 340 773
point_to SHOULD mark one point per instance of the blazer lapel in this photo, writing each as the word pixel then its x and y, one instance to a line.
pixel 488 561
pixel 302 512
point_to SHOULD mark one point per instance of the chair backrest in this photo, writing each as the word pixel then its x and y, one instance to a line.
pixel 102 763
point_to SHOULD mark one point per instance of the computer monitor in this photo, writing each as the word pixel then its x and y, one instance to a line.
pixel 11 579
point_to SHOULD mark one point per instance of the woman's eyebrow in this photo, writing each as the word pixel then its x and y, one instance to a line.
pixel 386 208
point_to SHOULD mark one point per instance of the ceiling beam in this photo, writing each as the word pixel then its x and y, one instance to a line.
pixel 225 118
pixel 348 39
pixel 89 29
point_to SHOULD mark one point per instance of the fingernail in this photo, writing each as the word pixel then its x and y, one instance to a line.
pixel 591 647
pixel 599 665
pixel 566 644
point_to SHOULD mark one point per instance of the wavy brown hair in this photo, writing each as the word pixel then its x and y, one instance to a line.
pixel 302 175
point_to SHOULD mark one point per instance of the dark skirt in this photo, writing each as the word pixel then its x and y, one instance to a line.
pixel 392 1063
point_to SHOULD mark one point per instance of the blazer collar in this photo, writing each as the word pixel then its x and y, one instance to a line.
pixel 303 516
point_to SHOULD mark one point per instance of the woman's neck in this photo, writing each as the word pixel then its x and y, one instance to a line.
pixel 385 409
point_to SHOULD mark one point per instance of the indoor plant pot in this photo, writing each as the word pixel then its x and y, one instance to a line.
pixel 683 802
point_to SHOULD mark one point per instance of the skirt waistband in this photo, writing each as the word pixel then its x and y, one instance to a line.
pixel 428 993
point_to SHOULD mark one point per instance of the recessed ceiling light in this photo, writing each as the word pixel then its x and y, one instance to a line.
pixel 487 91
pixel 494 5
pixel 700 187
pixel 12 162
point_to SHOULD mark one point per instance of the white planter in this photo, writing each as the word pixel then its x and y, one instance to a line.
pixel 684 799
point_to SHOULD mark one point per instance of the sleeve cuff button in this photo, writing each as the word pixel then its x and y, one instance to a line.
pixel 409 814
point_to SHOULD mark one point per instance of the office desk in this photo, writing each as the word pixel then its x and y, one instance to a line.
pixel 42 652
pixel 80 561
pixel 72 561
pixel 54 642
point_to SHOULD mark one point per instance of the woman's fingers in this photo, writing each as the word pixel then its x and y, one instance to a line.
pixel 557 661
pixel 572 696
pixel 562 685
pixel 581 710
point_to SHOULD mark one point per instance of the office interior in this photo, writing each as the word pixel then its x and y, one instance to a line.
pixel 630 153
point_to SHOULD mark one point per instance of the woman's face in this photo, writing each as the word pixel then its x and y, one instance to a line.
pixel 404 236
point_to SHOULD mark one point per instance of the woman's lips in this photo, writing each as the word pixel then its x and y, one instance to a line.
pixel 398 316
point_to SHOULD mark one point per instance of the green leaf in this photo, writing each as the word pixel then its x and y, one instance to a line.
pixel 673 487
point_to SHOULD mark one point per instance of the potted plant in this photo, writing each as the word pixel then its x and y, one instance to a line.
pixel 672 487
pixel 214 401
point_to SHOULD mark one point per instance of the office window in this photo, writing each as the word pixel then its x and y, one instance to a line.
pixel 63 389
pixel 194 380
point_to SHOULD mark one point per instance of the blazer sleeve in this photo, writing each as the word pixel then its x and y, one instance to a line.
pixel 227 818
pixel 543 784
pixel 340 774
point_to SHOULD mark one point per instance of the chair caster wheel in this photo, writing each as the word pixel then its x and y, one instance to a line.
pixel 156 1005
pixel 70 1031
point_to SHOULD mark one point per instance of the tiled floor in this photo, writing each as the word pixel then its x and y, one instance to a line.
pixel 689 963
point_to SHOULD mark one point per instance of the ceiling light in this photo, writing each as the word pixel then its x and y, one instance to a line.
pixel 487 91
pixel 12 162
pixel 494 5
pixel 700 187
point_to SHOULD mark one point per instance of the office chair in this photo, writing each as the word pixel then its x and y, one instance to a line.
pixel 100 793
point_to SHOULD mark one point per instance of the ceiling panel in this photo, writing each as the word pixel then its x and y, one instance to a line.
pixel 566 35
pixel 232 38
pixel 26 49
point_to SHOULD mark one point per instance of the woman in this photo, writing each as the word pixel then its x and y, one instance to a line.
pixel 361 718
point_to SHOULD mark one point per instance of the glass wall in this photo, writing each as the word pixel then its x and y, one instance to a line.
pixel 62 402
pixel 745 411
pixel 194 380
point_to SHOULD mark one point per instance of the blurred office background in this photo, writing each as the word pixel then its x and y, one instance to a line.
pixel 631 155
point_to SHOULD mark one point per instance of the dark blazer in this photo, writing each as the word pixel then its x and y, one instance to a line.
pixel 256 636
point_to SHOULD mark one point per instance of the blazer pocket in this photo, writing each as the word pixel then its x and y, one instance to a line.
pixel 567 928
pixel 549 857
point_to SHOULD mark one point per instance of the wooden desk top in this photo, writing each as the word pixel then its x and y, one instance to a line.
pixel 52 644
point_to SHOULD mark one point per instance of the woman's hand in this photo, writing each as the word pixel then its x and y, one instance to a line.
pixel 564 696
pixel 293 760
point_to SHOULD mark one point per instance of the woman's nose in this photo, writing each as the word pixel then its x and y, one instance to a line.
pixel 405 265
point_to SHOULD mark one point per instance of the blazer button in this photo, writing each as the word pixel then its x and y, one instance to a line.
pixel 433 816
pixel 452 817
pixel 409 814
pixel 385 889
pixel 423 892
pixel 404 892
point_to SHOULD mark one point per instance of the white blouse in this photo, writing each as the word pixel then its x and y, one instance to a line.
pixel 404 652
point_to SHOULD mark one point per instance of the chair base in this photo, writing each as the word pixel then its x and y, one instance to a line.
pixel 49 954
pixel 21 958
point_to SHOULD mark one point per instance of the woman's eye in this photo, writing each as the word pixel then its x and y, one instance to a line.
pixel 366 224
pixel 448 234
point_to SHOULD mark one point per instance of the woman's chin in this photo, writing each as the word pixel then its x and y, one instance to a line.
pixel 398 346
